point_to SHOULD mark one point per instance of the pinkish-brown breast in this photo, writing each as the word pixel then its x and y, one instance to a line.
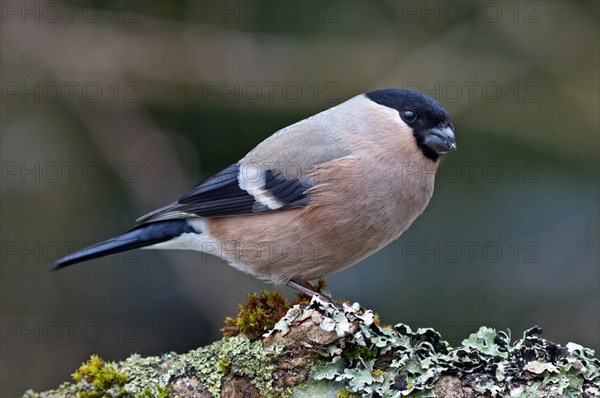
pixel 341 226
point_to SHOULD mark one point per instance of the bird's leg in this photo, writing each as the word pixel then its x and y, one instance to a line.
pixel 307 291
pixel 300 288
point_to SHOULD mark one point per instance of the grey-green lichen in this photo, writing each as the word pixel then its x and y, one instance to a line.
pixel 149 376
pixel 397 361
pixel 244 358
pixel 339 351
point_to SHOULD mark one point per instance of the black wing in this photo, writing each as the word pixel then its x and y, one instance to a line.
pixel 239 189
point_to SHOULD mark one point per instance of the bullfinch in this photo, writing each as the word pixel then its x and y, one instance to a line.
pixel 311 199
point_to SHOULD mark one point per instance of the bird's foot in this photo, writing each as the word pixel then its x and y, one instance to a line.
pixel 308 291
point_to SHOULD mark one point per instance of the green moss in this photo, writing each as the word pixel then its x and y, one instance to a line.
pixel 224 365
pixel 99 379
pixel 257 315
pixel 353 352
pixel 376 373
pixel 161 392
pixel 345 394
pixel 260 312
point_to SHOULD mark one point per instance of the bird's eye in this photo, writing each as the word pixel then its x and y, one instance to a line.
pixel 409 115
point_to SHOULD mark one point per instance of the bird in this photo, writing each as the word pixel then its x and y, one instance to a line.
pixel 313 198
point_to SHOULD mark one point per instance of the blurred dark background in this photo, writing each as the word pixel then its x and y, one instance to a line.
pixel 111 109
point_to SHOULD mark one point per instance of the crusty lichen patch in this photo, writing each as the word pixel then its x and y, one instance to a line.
pixel 149 376
pixel 231 355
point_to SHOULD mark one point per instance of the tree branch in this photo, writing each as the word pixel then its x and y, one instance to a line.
pixel 330 350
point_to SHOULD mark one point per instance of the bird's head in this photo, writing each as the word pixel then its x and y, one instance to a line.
pixel 431 126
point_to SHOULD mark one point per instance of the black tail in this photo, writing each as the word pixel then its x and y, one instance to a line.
pixel 144 235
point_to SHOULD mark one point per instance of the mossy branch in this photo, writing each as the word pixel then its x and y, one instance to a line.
pixel 320 349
